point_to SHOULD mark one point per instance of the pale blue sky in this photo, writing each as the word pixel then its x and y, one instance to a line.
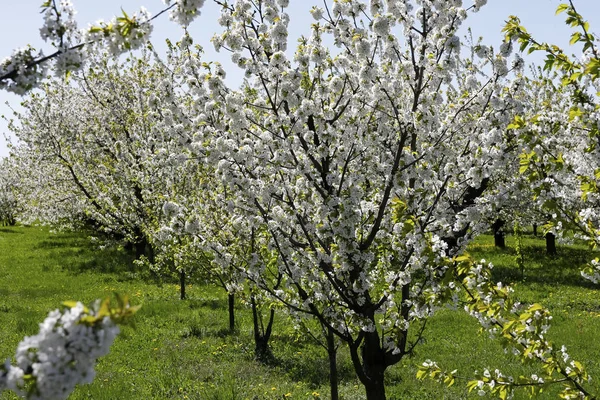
pixel 20 22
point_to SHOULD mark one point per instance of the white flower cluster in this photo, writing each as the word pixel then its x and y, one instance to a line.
pixel 592 273
pixel 490 383
pixel 59 23
pixel 9 197
pixel 119 34
pixel 60 28
pixel 23 73
pixel 185 11
pixel 60 356
pixel 24 70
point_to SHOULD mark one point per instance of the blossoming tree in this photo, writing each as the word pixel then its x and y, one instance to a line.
pixel 560 160
pixel 564 154
pixel 9 204
pixel 99 149
pixel 365 160
pixel 367 157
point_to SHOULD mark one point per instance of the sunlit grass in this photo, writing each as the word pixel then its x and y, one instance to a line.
pixel 182 349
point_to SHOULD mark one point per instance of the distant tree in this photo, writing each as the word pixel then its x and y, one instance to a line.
pixel 9 204
pixel 95 151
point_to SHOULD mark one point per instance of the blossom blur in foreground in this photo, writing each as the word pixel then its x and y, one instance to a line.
pixel 64 352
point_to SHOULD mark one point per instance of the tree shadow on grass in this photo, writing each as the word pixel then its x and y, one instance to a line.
pixel 212 303
pixel 564 268
pixel 311 365
pixel 200 331
pixel 9 230
pixel 110 260
pixel 62 241
pixel 39 292
pixel 104 265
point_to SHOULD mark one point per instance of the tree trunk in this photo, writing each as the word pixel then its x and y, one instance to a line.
pixel 149 252
pixel 262 350
pixel 551 244
pixel 140 248
pixel 182 284
pixel 373 367
pixel 231 300
pixel 376 392
pixel 333 375
pixel 143 248
pixel 498 234
pixel 535 229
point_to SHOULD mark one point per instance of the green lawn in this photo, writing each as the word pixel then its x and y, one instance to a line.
pixel 182 350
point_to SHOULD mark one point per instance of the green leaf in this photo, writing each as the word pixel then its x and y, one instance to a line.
pixel 574 113
pixel 536 307
pixel 524 166
pixel 449 380
pixel 593 68
pixel 561 8
pixel 575 37
pixel 517 123
pixel 472 385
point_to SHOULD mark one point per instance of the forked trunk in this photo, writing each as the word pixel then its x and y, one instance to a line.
pixel 370 365
pixel 262 350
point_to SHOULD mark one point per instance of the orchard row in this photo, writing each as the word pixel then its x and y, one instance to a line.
pixel 342 180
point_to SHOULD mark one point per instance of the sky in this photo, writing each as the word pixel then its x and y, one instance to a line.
pixel 20 23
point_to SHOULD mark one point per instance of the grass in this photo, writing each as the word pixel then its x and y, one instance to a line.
pixel 182 349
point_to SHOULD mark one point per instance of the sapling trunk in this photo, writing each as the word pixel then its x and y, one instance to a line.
pixel 182 284
pixel 551 244
pixel 231 301
pixel 333 375
pixel 499 240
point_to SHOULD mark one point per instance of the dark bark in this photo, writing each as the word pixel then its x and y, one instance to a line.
pixel 262 350
pixel 182 285
pixel 551 244
pixel 469 197
pixel 231 301
pixel 333 375
pixel 140 248
pixel 499 240
pixel 370 365
pixel 376 391
pixel 374 365
pixel 535 229
pixel 150 252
